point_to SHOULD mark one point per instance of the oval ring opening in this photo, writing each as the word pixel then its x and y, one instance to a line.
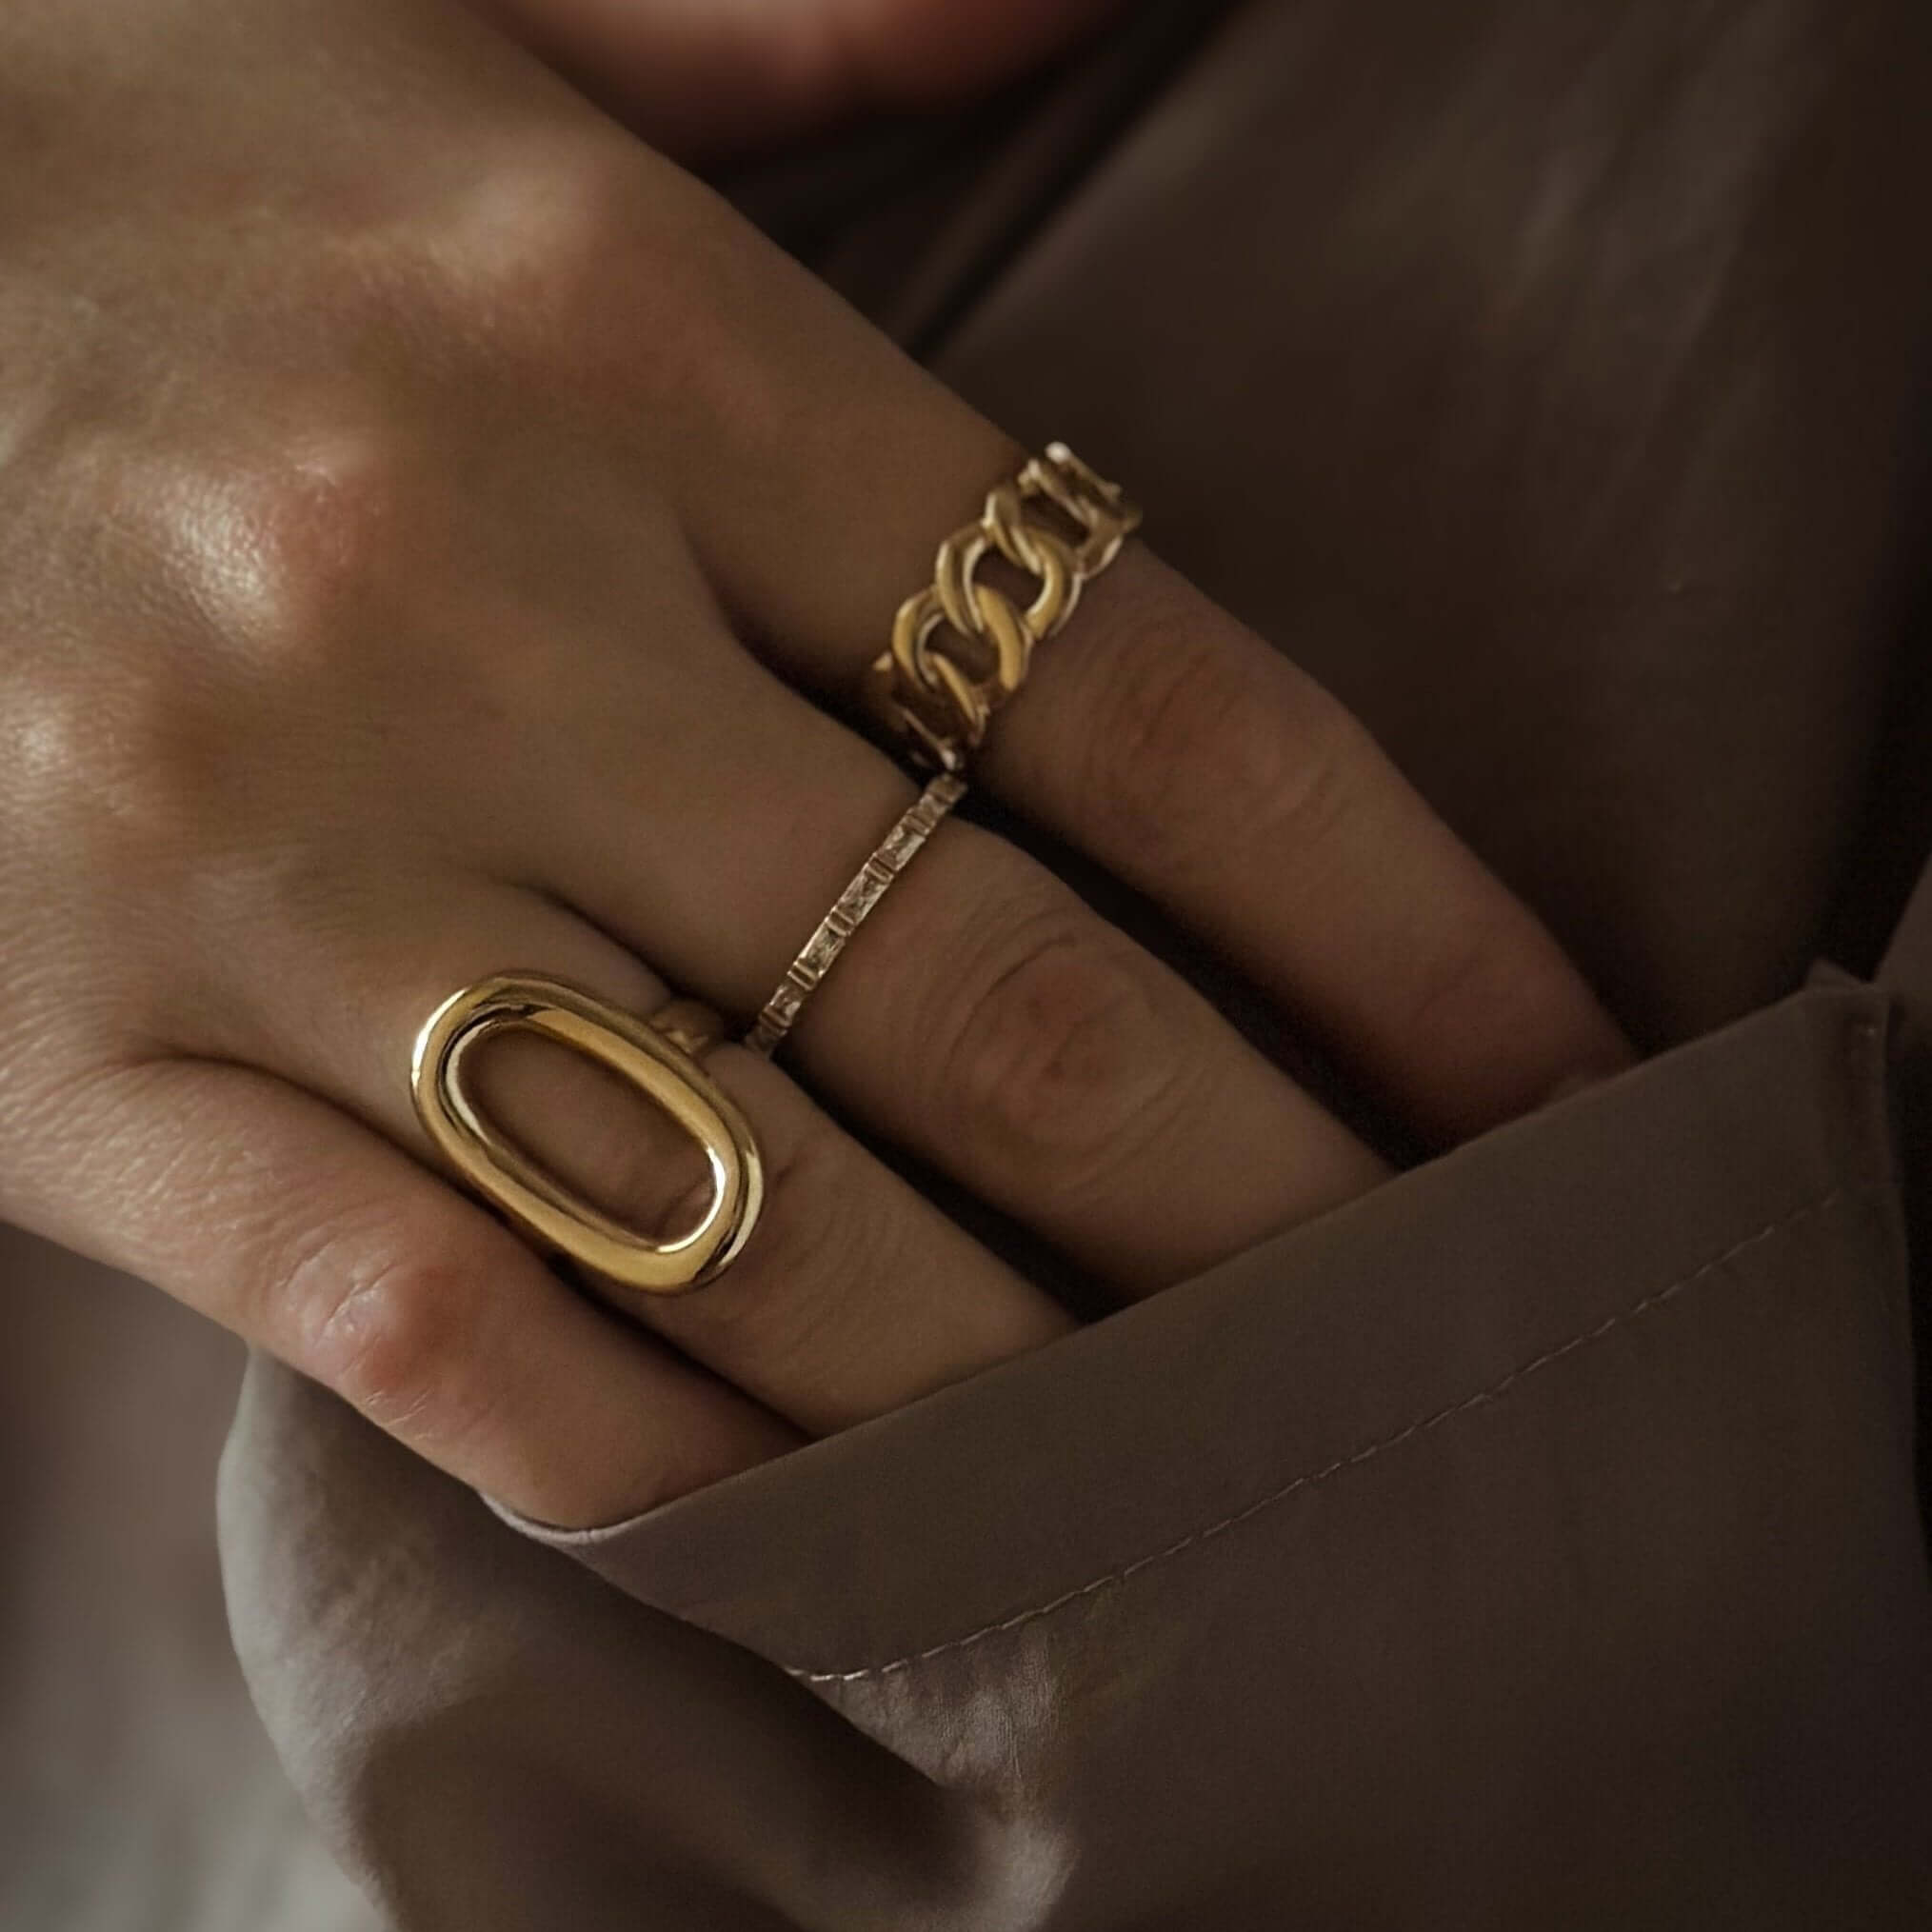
pixel 534 1199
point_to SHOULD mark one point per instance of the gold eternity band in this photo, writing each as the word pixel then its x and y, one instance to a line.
pixel 869 885
pixel 962 646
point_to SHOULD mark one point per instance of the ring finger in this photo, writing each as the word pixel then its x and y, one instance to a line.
pixel 986 1018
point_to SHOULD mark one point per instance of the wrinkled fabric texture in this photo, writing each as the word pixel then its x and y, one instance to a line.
pixel 1535 1540
pixel 1532 1543
pixel 137 1790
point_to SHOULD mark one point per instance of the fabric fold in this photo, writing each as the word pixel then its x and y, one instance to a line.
pixel 1531 1543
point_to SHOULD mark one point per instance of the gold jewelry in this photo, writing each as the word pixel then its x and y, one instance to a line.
pixel 657 1057
pixel 869 885
pixel 689 1024
pixel 961 648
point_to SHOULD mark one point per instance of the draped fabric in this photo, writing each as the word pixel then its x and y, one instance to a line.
pixel 1536 1541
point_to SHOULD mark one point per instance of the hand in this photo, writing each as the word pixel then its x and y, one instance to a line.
pixel 700 81
pixel 429 527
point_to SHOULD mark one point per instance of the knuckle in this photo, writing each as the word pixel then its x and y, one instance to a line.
pixel 535 224
pixel 391 1335
pixel 261 545
pixel 276 616
pixel 1062 1054
pixel 1204 745
pixel 1467 986
pixel 557 253
pixel 585 265
pixel 309 538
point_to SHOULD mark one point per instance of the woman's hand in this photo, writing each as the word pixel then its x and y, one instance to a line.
pixel 429 526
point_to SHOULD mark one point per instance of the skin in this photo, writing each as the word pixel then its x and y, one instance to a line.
pixel 438 538
pixel 701 78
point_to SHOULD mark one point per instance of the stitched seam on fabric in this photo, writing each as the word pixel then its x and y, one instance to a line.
pixel 1484 1398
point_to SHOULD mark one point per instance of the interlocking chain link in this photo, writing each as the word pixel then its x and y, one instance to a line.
pixel 962 646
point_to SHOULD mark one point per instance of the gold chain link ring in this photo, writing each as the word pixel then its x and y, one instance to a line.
pixel 962 646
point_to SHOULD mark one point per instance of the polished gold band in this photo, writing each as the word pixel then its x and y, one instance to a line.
pixel 962 646
pixel 869 885
pixel 657 1057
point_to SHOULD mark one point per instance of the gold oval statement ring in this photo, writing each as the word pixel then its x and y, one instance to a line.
pixel 962 646
pixel 869 885
pixel 657 1057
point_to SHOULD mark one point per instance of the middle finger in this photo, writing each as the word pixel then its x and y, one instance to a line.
pixel 985 1018
pixel 1158 735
